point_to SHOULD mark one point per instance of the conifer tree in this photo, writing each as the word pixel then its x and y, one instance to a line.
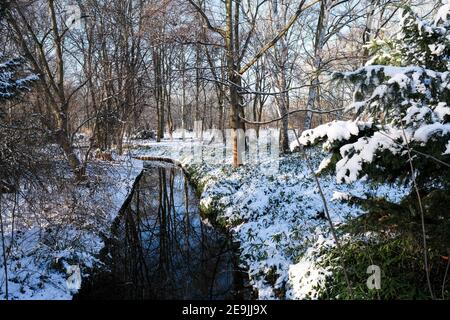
pixel 401 102
pixel 11 83
pixel 400 131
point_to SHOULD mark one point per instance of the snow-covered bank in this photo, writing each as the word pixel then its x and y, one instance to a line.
pixel 54 233
pixel 273 208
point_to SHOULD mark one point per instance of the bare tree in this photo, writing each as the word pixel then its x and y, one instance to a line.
pixel 235 55
pixel 50 68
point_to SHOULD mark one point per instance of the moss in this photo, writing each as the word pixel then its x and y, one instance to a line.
pixel 194 176
pixel 213 212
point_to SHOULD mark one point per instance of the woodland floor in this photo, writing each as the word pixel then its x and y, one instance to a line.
pixel 271 205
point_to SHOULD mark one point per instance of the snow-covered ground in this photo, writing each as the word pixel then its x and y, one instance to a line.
pixel 54 234
pixel 271 204
pixel 273 207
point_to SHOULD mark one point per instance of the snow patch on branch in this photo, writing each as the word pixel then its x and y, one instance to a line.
pixel 443 14
pixel 333 131
pixel 323 164
pixel 339 196
pixel 425 132
pixel 354 155
pixel 447 150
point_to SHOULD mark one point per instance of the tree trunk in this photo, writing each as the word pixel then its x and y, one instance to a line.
pixel 157 63
pixel 318 46
pixel 281 51
pixel 75 164
pixel 236 124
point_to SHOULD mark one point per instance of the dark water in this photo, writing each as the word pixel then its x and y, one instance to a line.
pixel 161 248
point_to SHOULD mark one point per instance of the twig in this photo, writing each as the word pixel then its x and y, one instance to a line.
pixel 280 34
pixel 445 277
pixel 5 265
pixel 415 151
pixel 422 218
pixel 327 213
pixel 206 19
pixel 290 113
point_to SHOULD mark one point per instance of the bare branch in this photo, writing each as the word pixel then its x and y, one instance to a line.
pixel 327 213
pixel 207 21
pixel 280 34
pixel 290 113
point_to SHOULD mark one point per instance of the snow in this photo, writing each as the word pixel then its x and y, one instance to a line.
pixel 57 234
pixel 399 78
pixel 424 133
pixel 394 72
pixel 442 110
pixel 323 164
pixel 9 84
pixel 416 113
pixel 447 150
pixel 422 108
pixel 338 196
pixel 437 49
pixel 271 207
pixel 356 106
pixel 333 131
pixel 442 14
pixel 354 155
pixel 74 277
pixel 305 277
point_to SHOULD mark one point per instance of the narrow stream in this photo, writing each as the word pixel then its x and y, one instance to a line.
pixel 162 249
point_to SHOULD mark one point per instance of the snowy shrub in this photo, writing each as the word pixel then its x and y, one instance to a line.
pixel 396 107
pixel 17 147
pixel 401 110
pixel 11 84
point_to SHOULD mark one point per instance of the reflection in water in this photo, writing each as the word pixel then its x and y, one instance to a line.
pixel 161 249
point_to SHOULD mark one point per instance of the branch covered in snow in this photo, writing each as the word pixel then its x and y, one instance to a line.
pixel 10 83
pixel 395 105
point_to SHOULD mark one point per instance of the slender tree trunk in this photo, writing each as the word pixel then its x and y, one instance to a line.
pixel 5 262
pixel 183 98
pixel 236 123
pixel 168 98
pixel 318 46
pixel 281 51
pixel 157 64
pixel 368 32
